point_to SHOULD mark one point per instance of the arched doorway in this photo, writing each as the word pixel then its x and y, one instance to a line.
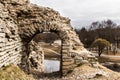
pixel 34 22
pixel 51 46
pixel 69 41
pixel 31 20
pixel 66 46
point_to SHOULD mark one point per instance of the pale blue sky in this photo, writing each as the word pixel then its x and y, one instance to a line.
pixel 83 12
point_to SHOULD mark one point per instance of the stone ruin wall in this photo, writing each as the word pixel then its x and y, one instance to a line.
pixel 10 42
pixel 12 47
pixel 20 21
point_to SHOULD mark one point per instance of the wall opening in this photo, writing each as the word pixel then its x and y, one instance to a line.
pixel 51 46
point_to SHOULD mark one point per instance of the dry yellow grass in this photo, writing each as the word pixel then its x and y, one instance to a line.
pixel 57 48
pixel 48 53
pixel 12 72
pixel 108 59
pixel 51 51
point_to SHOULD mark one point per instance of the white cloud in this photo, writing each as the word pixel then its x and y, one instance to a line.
pixel 83 12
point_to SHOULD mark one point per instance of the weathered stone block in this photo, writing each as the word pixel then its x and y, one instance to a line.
pixel 68 63
pixel 2 35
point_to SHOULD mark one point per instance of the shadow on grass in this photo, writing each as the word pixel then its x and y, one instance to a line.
pixel 108 59
pixel 38 75
pixel 110 63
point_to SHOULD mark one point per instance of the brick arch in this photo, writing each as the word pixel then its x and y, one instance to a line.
pixel 27 33
pixel 30 19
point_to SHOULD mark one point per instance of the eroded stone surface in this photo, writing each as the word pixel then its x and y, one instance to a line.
pixel 20 21
pixel 36 57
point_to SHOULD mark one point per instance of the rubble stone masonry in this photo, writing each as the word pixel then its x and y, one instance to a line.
pixel 20 21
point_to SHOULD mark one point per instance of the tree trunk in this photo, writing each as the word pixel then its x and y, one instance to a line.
pixel 99 54
pixel 100 51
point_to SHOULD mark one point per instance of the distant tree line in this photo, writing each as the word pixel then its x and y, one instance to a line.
pixel 105 29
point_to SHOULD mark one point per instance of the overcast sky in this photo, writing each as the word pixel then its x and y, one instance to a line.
pixel 84 12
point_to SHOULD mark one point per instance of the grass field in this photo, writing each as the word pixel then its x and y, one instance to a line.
pixel 12 72
pixel 51 51
pixel 108 59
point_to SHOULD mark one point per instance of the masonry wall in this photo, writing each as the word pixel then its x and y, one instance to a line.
pixel 13 50
pixel 21 21
pixel 10 45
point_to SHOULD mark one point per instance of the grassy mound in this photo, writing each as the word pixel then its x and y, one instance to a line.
pixel 12 72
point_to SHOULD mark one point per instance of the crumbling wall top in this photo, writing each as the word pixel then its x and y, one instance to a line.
pixel 15 2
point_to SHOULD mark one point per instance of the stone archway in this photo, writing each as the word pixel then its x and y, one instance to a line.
pixel 64 33
pixel 31 23
pixel 31 19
